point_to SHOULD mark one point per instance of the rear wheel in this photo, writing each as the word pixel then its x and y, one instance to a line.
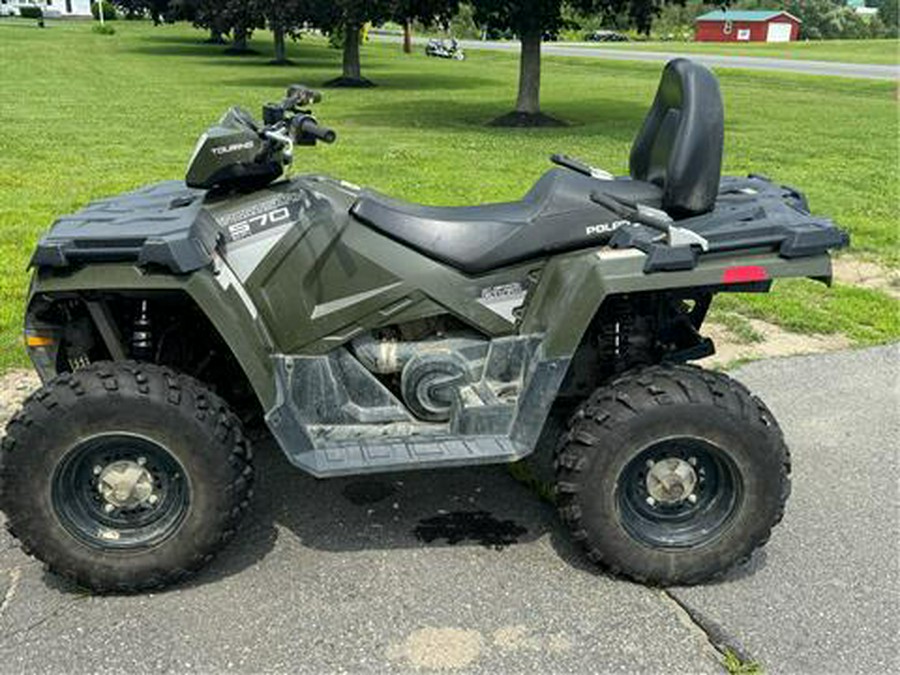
pixel 672 474
pixel 124 476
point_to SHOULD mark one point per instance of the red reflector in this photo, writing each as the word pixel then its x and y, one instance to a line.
pixel 738 275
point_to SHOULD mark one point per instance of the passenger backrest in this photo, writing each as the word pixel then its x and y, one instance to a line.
pixel 679 147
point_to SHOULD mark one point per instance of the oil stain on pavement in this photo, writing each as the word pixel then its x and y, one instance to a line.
pixel 479 527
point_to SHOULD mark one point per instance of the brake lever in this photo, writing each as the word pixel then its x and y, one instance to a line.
pixel 283 137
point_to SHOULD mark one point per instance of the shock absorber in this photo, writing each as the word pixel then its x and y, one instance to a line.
pixel 615 332
pixel 141 335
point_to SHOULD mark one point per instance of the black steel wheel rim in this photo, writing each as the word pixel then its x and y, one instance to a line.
pixel 686 523
pixel 84 512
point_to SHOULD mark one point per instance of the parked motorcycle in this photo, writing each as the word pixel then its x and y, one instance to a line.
pixel 445 49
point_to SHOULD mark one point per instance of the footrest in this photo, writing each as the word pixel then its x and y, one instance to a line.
pixel 370 456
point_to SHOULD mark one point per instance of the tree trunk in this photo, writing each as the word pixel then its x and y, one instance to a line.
pixel 278 36
pixel 239 43
pixel 215 37
pixel 407 37
pixel 352 69
pixel 529 98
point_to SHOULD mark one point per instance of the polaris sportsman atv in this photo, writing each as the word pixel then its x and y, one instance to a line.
pixel 374 335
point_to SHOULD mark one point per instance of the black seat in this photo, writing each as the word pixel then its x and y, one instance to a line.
pixel 675 164
pixel 554 216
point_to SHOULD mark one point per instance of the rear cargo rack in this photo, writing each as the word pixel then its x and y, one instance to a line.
pixel 750 213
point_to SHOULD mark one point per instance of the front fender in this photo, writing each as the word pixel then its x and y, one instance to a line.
pixel 217 293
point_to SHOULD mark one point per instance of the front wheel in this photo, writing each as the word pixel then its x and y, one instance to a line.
pixel 124 476
pixel 672 474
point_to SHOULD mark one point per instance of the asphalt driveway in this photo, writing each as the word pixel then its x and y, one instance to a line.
pixel 466 570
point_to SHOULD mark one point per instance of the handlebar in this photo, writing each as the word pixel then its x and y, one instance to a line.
pixel 287 124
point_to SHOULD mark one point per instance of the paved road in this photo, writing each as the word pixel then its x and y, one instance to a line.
pixel 857 70
pixel 329 575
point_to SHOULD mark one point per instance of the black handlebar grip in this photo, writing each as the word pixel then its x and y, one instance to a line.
pixel 310 127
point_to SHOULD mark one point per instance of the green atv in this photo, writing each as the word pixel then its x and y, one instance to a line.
pixel 375 335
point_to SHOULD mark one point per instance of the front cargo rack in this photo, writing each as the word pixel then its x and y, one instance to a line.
pixel 161 224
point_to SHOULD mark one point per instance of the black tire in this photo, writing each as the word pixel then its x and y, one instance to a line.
pixel 681 416
pixel 192 446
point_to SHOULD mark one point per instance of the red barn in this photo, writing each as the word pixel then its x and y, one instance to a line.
pixel 747 26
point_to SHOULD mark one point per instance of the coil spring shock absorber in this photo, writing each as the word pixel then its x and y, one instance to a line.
pixel 614 334
pixel 627 335
pixel 142 335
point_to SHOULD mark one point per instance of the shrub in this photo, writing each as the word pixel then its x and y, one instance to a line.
pixel 103 29
pixel 31 12
pixel 109 12
pixel 827 20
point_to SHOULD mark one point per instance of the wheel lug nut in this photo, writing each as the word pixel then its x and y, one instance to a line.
pixel 650 463
pixel 651 501
pixel 109 508
pixel 98 470
pixel 692 461
pixel 692 498
pixel 152 499
pixel 142 460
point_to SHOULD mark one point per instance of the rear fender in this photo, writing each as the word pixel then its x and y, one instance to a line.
pixel 573 287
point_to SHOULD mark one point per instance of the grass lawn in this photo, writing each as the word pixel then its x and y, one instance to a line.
pixel 886 52
pixel 84 116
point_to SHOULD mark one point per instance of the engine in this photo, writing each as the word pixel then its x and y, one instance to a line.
pixel 426 372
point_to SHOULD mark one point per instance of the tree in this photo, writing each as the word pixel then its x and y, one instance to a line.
pixel 531 20
pixel 209 14
pixel 157 9
pixel 132 9
pixel 343 21
pixel 889 13
pixel 202 14
pixel 827 19
pixel 285 18
pixel 677 22
pixel 242 19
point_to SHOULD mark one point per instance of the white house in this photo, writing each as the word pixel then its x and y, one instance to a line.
pixel 51 7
